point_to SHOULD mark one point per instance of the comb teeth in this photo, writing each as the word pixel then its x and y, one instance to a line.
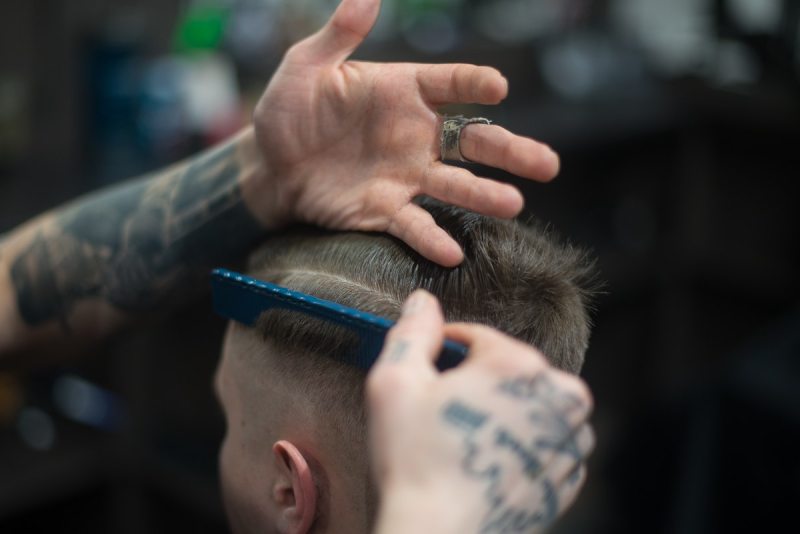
pixel 243 299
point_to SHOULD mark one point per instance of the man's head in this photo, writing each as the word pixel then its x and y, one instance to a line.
pixel 295 452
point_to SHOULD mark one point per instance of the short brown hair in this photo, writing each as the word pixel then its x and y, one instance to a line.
pixel 515 277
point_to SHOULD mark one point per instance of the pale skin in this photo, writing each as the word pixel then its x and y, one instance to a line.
pixel 345 145
pixel 282 469
pixel 375 141
pixel 504 432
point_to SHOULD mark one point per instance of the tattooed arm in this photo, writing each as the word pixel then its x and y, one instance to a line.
pixel 337 143
pixel 497 445
pixel 79 272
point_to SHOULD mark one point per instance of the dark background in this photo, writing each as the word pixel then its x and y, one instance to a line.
pixel 678 126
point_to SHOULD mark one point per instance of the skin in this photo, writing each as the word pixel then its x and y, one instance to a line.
pixel 504 431
pixel 280 472
pixel 375 141
pixel 337 143
pixel 246 467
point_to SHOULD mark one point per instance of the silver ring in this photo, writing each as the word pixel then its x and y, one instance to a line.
pixel 451 135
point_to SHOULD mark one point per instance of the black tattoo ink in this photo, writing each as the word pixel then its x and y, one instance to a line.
pixel 502 517
pixel 513 519
pixel 561 439
pixel 139 246
pixel 398 351
pixel 531 464
pixel 550 409
pixel 527 387
pixel 463 416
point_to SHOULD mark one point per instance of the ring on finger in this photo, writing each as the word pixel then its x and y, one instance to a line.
pixel 451 135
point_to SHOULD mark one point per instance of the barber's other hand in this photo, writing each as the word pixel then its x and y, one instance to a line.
pixel 349 144
pixel 496 445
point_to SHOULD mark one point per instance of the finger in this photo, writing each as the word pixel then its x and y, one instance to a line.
pixel 461 83
pixel 497 351
pixel 559 404
pixel 563 475
pixel 417 228
pixel 460 187
pixel 410 349
pixel 570 488
pixel 342 34
pixel 495 146
pixel 575 398
pixel 419 333
pixel 564 468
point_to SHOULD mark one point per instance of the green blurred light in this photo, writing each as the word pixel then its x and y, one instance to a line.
pixel 202 28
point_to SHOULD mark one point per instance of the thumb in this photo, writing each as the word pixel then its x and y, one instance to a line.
pixel 411 347
pixel 343 33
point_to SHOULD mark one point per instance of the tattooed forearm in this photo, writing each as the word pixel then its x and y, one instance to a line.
pixel 139 246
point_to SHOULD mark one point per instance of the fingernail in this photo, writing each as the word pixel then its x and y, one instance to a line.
pixel 414 302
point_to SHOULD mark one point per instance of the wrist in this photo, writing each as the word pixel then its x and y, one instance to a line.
pixel 258 184
pixel 405 510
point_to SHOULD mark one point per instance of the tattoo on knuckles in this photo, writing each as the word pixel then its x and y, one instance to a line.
pixel 541 389
pixel 487 441
pixel 551 408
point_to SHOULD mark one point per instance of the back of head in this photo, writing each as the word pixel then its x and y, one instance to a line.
pixel 515 277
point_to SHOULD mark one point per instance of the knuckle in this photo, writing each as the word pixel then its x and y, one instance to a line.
pixel 474 194
pixel 578 388
pixel 399 333
pixel 448 185
pixel 458 82
pixel 477 83
pixel 585 393
pixel 494 72
pixel 507 148
pixel 580 480
pixel 485 332
pixel 385 383
pixel 400 225
pixel 591 440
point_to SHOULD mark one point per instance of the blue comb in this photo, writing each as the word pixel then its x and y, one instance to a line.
pixel 243 299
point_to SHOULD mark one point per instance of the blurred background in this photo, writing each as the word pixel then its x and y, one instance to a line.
pixel 678 124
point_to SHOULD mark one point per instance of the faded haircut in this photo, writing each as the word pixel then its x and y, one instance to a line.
pixel 516 277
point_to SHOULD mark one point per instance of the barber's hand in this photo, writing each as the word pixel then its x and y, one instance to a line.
pixel 350 144
pixel 497 444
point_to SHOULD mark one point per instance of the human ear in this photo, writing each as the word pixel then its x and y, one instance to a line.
pixel 294 491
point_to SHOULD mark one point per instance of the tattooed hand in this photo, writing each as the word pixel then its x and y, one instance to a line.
pixel 350 144
pixel 496 445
